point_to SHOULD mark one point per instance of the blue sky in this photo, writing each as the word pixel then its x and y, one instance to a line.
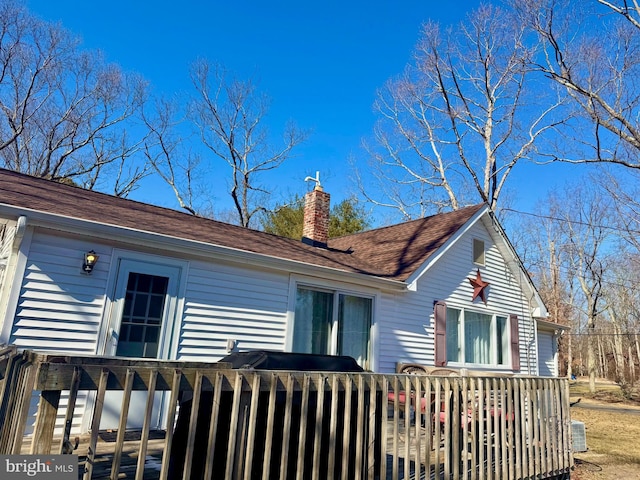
pixel 319 62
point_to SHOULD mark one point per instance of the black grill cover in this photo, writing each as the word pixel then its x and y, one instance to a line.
pixel 268 360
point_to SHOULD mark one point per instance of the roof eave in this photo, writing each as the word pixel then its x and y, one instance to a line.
pixel 197 248
pixel 550 326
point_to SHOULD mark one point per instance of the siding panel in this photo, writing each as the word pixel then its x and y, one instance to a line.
pixel 228 303
pixel 60 308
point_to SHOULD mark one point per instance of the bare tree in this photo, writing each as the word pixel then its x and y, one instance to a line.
pixel 63 110
pixel 623 306
pixel 600 77
pixel 229 115
pixel 541 242
pixel 572 248
pixel 624 191
pixel 164 150
pixel 587 221
pixel 454 126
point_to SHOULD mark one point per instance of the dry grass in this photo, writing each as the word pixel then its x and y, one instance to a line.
pixel 613 437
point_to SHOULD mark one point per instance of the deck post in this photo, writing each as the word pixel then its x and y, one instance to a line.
pixel 95 423
pixel 45 422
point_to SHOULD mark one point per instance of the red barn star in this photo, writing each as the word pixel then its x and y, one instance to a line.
pixel 479 288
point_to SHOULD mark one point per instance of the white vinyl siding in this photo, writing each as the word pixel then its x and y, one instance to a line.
pixel 60 308
pixel 404 331
pixel 225 302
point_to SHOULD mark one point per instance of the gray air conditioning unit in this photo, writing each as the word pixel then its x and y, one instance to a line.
pixel 578 436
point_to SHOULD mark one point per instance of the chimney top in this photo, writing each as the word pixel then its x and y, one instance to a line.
pixel 316 179
pixel 315 230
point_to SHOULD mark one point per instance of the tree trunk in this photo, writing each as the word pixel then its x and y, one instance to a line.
pixel 603 370
pixel 632 366
pixel 617 347
pixel 591 359
pixel 619 356
pixel 637 350
pixel 569 356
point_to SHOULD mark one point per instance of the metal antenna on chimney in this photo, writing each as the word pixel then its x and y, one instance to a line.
pixel 317 180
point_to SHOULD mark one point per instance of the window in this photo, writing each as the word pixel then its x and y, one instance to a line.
pixel 476 338
pixel 333 323
pixel 142 315
pixel 478 251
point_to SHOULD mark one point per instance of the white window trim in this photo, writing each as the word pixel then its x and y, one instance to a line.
pixel 322 284
pixel 506 365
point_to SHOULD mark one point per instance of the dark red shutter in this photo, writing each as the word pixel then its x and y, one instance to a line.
pixel 440 333
pixel 515 342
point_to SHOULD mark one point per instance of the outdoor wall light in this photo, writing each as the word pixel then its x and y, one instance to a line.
pixel 90 260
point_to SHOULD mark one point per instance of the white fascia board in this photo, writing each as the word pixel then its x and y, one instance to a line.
pixel 203 249
pixel 413 279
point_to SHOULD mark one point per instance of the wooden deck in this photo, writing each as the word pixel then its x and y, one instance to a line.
pixel 107 443
pixel 254 424
pixel 105 450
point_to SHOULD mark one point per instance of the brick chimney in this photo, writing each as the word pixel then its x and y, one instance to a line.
pixel 315 230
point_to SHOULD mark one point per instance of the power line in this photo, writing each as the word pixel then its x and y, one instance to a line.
pixel 564 220
pixel 567 271
pixel 601 334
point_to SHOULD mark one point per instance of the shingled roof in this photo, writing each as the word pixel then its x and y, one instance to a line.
pixel 393 252
pixel 401 249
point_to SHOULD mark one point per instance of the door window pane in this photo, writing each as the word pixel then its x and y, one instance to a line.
pixel 502 340
pixel 453 335
pixel 142 314
pixel 313 317
pixel 354 325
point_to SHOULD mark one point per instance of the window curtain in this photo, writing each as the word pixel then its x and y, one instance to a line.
pixel 354 325
pixel 312 328
pixel 477 337
pixel 502 339
pixel 453 335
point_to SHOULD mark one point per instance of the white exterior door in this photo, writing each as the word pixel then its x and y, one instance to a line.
pixel 140 325
pixel 546 355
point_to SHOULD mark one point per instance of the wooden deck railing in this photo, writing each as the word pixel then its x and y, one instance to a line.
pixel 277 424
